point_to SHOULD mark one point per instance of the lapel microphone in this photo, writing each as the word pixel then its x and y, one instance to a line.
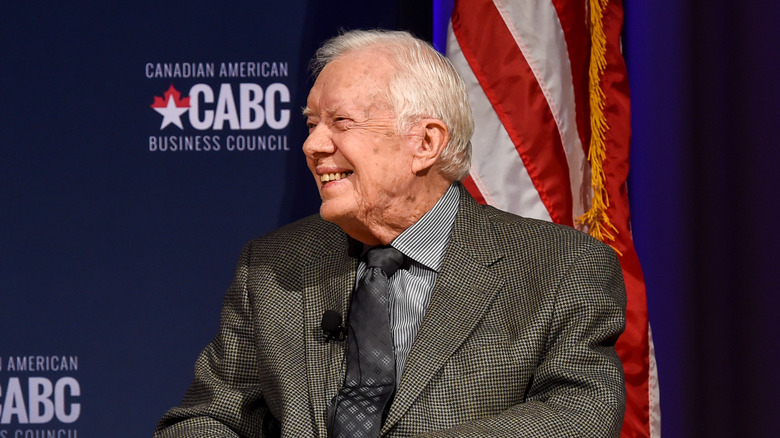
pixel 332 327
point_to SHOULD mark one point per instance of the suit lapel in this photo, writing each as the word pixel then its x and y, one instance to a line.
pixel 462 295
pixel 327 285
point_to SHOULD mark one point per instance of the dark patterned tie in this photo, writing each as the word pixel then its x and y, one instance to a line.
pixel 370 380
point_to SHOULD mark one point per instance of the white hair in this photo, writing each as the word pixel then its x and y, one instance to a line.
pixel 425 84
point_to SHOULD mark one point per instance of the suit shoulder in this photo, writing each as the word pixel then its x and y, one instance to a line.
pixel 546 253
pixel 308 236
pixel 542 235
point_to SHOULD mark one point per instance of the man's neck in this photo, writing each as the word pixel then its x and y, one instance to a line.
pixel 385 227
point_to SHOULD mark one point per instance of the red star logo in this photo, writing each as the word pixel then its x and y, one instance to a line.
pixel 171 106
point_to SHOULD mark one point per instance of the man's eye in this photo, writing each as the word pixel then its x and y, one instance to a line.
pixel 342 122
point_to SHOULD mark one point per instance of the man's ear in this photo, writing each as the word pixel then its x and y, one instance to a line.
pixel 430 144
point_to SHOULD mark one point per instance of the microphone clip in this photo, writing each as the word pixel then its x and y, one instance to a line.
pixel 332 327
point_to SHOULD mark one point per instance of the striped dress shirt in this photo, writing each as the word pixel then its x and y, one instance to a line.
pixel 423 245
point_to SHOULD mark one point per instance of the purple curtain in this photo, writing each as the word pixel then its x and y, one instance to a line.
pixel 703 195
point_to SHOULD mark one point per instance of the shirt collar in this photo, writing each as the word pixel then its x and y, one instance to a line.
pixel 426 240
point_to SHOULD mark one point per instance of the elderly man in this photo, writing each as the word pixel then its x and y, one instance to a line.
pixel 461 320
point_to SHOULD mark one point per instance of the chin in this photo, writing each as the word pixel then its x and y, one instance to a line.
pixel 345 218
pixel 332 212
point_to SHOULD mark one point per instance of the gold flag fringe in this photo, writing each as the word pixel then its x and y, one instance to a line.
pixel 596 219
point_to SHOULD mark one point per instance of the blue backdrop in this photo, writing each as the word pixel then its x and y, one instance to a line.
pixel 117 241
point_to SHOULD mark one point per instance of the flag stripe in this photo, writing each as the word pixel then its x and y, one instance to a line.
pixel 497 172
pixel 517 98
pixel 573 17
pixel 538 34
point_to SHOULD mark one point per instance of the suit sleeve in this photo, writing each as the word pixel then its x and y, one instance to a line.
pixel 224 398
pixel 578 388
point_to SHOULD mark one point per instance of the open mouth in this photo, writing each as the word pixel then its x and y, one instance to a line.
pixel 328 177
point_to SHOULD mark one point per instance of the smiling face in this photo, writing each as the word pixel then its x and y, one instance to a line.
pixel 362 166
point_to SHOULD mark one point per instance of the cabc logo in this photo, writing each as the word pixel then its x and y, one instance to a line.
pixel 254 108
pixel 229 116
pixel 39 396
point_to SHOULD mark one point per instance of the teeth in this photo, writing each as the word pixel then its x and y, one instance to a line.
pixel 327 177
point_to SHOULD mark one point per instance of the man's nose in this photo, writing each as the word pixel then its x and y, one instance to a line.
pixel 318 143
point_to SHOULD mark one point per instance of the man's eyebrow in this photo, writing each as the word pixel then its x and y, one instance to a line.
pixel 308 112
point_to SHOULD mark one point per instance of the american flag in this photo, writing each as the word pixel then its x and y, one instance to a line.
pixel 549 91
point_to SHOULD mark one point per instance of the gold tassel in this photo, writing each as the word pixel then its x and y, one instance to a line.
pixel 596 219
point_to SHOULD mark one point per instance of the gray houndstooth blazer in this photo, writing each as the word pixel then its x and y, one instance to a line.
pixel 517 341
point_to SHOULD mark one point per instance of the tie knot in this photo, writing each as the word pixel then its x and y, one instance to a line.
pixel 386 258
